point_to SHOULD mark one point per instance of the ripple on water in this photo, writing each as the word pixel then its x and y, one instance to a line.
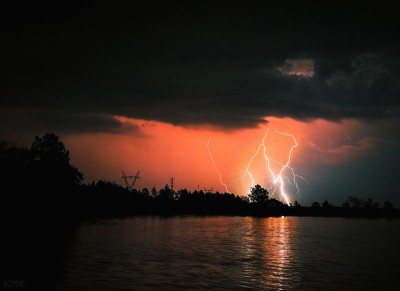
pixel 232 253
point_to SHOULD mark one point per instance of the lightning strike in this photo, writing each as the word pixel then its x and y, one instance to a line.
pixel 277 177
pixel 215 167
pixel 247 172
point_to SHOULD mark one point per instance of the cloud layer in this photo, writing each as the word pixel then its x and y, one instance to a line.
pixel 197 65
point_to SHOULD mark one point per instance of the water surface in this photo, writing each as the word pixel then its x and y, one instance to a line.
pixel 233 253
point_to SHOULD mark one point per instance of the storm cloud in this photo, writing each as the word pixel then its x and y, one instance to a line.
pixel 225 66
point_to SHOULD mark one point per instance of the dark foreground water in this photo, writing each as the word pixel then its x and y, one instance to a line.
pixel 233 253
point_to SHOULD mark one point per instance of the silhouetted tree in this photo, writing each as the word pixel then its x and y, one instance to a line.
pixel 49 148
pixel 154 192
pixel 296 204
pixel 245 198
pixel 355 202
pixel 346 205
pixel 145 192
pixel 275 203
pixel 315 204
pixel 13 161
pixel 387 205
pixel 51 160
pixel 370 204
pixel 258 194
pixel 10 154
pixel 166 193
pixel 183 194
pixel 325 204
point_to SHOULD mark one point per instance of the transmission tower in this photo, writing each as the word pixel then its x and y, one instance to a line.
pixel 129 177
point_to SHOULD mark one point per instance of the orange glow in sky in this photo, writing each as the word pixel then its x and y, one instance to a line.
pixel 161 151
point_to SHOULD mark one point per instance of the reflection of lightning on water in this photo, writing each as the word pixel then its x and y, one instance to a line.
pixel 215 167
pixel 277 178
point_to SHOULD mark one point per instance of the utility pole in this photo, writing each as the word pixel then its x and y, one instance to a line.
pixel 171 183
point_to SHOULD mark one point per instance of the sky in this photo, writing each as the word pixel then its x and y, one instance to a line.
pixel 189 91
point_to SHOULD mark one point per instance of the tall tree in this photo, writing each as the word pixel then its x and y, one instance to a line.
pixel 51 160
pixel 166 193
pixel 258 194
pixel 49 148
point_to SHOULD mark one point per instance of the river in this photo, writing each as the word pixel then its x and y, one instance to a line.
pixel 232 253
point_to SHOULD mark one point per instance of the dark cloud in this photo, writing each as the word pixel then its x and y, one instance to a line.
pixel 197 64
pixel 40 121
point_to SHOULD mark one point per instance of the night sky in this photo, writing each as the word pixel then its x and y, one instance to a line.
pixel 143 87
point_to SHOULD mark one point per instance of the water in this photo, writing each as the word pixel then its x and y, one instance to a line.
pixel 233 253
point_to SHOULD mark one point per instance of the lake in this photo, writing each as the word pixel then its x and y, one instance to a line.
pixel 232 253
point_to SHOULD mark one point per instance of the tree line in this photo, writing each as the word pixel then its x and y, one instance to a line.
pixel 41 183
pixel 44 198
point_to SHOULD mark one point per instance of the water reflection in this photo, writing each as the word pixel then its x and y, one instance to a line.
pixel 232 253
pixel 268 253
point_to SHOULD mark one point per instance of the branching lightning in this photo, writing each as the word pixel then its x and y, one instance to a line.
pixel 262 145
pixel 215 167
pixel 277 177
pixel 284 173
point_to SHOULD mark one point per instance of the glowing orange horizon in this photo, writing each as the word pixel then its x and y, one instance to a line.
pixel 161 151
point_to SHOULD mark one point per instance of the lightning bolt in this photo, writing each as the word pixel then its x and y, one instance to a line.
pixel 277 177
pixel 247 171
pixel 215 167
pixel 293 181
pixel 278 181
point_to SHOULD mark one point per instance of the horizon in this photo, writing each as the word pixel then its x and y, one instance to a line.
pixel 144 88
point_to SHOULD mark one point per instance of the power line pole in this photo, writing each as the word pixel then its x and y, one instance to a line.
pixel 171 183
pixel 134 177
